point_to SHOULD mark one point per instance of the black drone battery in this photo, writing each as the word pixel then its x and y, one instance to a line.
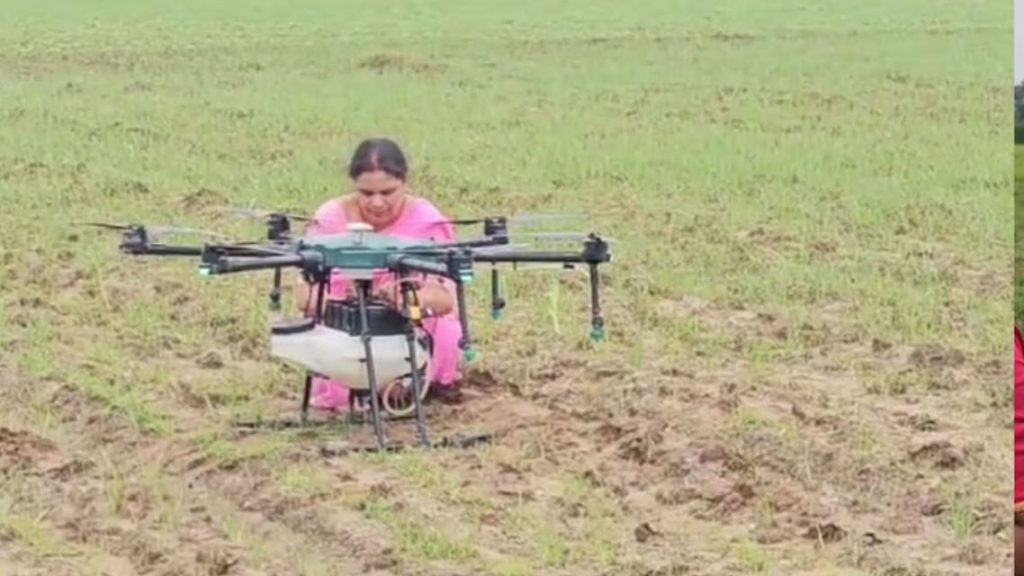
pixel 344 315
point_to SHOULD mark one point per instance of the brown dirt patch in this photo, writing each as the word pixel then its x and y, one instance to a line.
pixel 587 453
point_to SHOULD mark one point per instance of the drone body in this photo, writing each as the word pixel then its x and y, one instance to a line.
pixel 359 252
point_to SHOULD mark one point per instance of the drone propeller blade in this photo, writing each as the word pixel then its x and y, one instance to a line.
pixel 563 236
pixel 155 231
pixel 538 218
pixel 103 225
pixel 521 219
pixel 499 248
pixel 540 266
pixel 259 214
pixel 152 231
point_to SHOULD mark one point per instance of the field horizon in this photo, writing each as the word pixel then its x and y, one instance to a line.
pixel 806 366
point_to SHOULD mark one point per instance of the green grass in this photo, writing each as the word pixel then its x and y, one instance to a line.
pixel 842 168
pixel 683 133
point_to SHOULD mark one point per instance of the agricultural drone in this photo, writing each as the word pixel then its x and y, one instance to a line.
pixel 379 350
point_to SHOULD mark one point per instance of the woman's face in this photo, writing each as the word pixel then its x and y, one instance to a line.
pixel 380 197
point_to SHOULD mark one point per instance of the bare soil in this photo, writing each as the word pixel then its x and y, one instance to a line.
pixel 793 457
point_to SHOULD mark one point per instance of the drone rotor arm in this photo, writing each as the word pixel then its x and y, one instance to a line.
pixel 405 264
pixel 161 250
pixel 227 264
pixel 594 253
pixel 531 257
pixel 476 243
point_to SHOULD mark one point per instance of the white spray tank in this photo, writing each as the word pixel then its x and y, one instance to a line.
pixel 341 356
pixel 335 348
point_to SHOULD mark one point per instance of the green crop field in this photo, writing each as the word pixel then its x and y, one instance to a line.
pixel 807 367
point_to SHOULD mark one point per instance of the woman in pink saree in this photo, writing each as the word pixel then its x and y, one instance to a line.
pixel 382 200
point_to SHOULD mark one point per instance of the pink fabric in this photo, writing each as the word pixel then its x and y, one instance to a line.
pixel 423 221
pixel 1018 418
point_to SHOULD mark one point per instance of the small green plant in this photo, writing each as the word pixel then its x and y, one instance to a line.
pixel 415 536
pixel 752 558
pixel 961 514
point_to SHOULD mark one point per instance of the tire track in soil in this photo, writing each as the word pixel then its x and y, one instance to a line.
pixel 74 490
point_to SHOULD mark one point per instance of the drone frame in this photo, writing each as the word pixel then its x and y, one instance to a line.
pixel 453 261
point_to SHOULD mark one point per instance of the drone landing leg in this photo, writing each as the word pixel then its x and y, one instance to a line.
pixel 317 317
pixel 275 292
pixel 408 297
pixel 307 388
pixel 459 441
pixel 497 302
pixel 465 343
pixel 596 320
pixel 364 287
pixel 303 420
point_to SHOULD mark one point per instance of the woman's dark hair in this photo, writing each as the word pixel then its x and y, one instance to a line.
pixel 378 154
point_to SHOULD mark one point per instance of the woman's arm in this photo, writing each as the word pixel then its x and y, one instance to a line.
pixel 434 294
pixel 437 296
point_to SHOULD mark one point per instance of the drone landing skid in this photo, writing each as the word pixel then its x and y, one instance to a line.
pixel 461 441
pixel 347 420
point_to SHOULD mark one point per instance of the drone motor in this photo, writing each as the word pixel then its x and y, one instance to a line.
pixel 383 319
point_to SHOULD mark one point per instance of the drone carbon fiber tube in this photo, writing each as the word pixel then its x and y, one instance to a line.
pixel 533 258
pixel 141 249
pixel 413 264
pixel 161 250
pixel 231 264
